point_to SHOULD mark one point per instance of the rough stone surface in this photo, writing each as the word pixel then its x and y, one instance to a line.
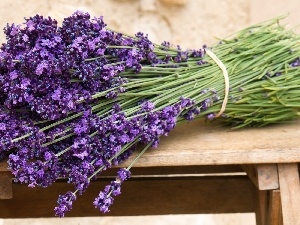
pixel 190 23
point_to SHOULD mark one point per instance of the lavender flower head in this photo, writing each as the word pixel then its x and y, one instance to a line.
pixel 105 198
pixel 51 70
pixel 65 203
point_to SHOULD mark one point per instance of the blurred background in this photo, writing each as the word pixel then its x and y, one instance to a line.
pixel 190 23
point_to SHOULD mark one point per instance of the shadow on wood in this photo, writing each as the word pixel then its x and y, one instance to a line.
pixel 145 196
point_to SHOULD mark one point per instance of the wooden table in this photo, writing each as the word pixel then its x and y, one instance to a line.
pixel 198 168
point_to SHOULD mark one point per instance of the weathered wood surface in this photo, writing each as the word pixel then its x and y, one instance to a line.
pixel 274 215
pixel 165 170
pixel 268 207
pixel 260 207
pixel 3 166
pixel 264 176
pixel 290 193
pixel 267 176
pixel 6 185
pixel 157 196
pixel 197 143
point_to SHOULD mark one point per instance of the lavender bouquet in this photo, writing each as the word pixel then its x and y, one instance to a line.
pixel 79 98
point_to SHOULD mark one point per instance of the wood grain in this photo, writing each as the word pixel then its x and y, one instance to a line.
pixel 3 166
pixel 261 207
pixel 199 143
pixel 267 176
pixel 274 216
pixel 290 193
pixel 263 176
pixel 5 185
pixel 165 170
pixel 268 211
pixel 157 196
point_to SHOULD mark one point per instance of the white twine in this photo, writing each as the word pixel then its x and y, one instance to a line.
pixel 226 79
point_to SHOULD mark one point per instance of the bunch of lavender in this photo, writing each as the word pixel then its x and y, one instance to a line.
pixel 79 98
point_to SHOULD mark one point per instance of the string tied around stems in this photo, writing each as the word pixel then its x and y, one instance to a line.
pixel 226 79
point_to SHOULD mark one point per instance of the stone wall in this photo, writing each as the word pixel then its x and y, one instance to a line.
pixel 190 23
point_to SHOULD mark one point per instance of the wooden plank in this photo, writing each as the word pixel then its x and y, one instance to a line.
pixel 261 206
pixel 197 143
pixel 157 196
pixel 181 170
pixel 164 170
pixel 3 166
pixel 268 208
pixel 290 193
pixel 263 176
pixel 6 185
pixel 274 216
pixel 188 157
pixel 251 173
pixel 267 176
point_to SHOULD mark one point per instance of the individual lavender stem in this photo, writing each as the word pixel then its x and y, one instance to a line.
pixel 139 155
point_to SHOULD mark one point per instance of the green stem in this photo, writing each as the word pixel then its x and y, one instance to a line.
pixel 139 155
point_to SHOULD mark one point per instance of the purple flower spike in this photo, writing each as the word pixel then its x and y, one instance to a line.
pixel 64 203
pixel 147 106
pixel 103 201
pixel 123 174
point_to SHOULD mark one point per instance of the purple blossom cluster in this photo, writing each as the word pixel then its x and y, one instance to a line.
pixel 50 81
pixel 50 70
pixel 83 156
pixel 12 126
pixel 65 203
pixel 105 197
